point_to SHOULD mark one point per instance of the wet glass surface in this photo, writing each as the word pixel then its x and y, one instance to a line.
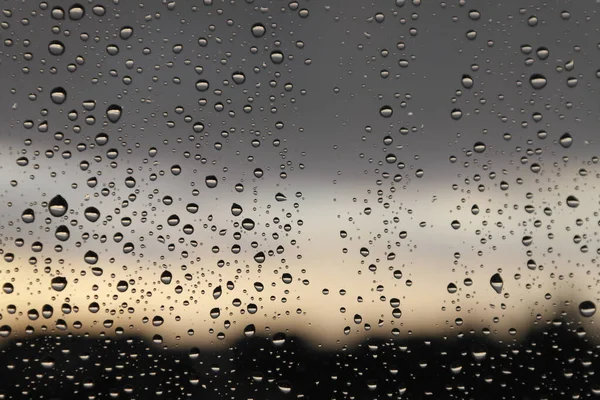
pixel 274 200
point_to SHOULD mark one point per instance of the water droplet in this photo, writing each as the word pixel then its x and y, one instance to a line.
pixel 192 208
pixel 287 278
pixel 474 15
pixel 62 233
pixel 277 57
pixel 248 224
pixel 279 339
pixel 238 77
pixel 566 140
pixel 5 331
pixel 8 288
pixel 56 47
pixel 92 214
pixel 249 331
pixel 479 147
pixel 211 181
pixel 452 288
pixel 90 257
pixel 467 81
pixel 542 53
pixel 126 32
pixel 58 95
pixel 113 113
pixel 122 286
pixel 236 210
pixel 260 257
pixel 532 21
pixel 202 85
pixel 166 277
pixel 58 206
pixel 173 220
pixel 587 309
pixel 386 111
pixel 538 81
pixel 258 30
pixel 58 13
pixel 284 386
pixel 456 114
pixel 496 282
pixel 455 224
pixel 28 216
pixel 76 12
pixel 572 201
pixel 59 283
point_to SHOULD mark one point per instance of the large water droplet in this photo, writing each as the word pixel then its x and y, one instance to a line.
pixel 202 85
pixel 92 214
pixel 249 331
pixel 386 111
pixel 538 81
pixel 276 57
pixel 587 309
pixel 28 216
pixel 479 147
pixel 113 113
pixel 59 283
pixel 91 257
pixel 58 95
pixel 467 81
pixel 166 277
pixel 58 206
pixel 456 114
pixel 248 224
pixel 211 181
pixel 238 77
pixel 76 12
pixel 258 30
pixel 126 32
pixel 566 140
pixel 572 201
pixel 260 257
pixel 236 210
pixel 496 282
pixel 56 47
pixel 62 233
